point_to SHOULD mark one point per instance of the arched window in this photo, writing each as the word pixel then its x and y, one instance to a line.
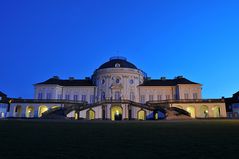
pixel 41 110
pixel 141 115
pixel 30 112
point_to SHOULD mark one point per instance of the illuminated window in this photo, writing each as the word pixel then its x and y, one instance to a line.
pixel 141 115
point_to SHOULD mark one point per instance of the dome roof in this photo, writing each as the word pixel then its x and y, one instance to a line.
pixel 118 62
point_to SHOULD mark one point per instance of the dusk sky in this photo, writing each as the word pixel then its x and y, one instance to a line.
pixel 198 39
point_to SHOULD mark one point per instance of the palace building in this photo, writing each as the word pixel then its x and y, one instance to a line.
pixel 117 90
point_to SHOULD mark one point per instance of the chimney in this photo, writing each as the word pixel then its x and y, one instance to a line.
pixel 71 78
pixel 56 77
pixel 87 78
pixel 179 77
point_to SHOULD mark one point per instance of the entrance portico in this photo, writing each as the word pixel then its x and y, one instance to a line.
pixel 116 113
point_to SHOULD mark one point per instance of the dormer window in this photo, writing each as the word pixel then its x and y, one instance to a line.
pixel 117 65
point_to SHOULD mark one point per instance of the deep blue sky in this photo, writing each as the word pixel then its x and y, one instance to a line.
pixel 42 38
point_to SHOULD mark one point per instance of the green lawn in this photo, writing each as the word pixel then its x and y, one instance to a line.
pixel 25 139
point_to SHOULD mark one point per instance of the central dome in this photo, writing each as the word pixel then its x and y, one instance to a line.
pixel 118 62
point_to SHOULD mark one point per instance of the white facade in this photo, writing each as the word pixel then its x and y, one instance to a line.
pixel 117 79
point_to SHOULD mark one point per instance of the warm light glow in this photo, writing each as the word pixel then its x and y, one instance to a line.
pixel 30 112
pixel 216 112
pixel 141 115
pixel 42 109
pixel 116 110
pixel 91 114
pixel 54 107
pixel 191 110
pixel 76 116
pixel 156 116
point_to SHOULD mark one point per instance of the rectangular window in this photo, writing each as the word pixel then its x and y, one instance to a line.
pixel 39 95
pixel 142 99
pixel 59 96
pixel 83 98
pixel 92 99
pixel 185 95
pixel 159 97
pixel 75 97
pixel 102 96
pixel 48 96
pixel 117 95
pixel 167 97
pixel 67 97
pixel 195 96
pixel 132 97
pixel 151 97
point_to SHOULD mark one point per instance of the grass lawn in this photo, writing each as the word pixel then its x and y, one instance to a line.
pixel 39 139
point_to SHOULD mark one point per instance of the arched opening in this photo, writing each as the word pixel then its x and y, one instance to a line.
pixel 90 114
pixel 76 115
pixel 203 111
pixel 30 112
pixel 18 111
pixel 216 112
pixel 156 116
pixel 41 110
pixel 116 113
pixel 191 110
pixel 2 115
pixel 141 115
